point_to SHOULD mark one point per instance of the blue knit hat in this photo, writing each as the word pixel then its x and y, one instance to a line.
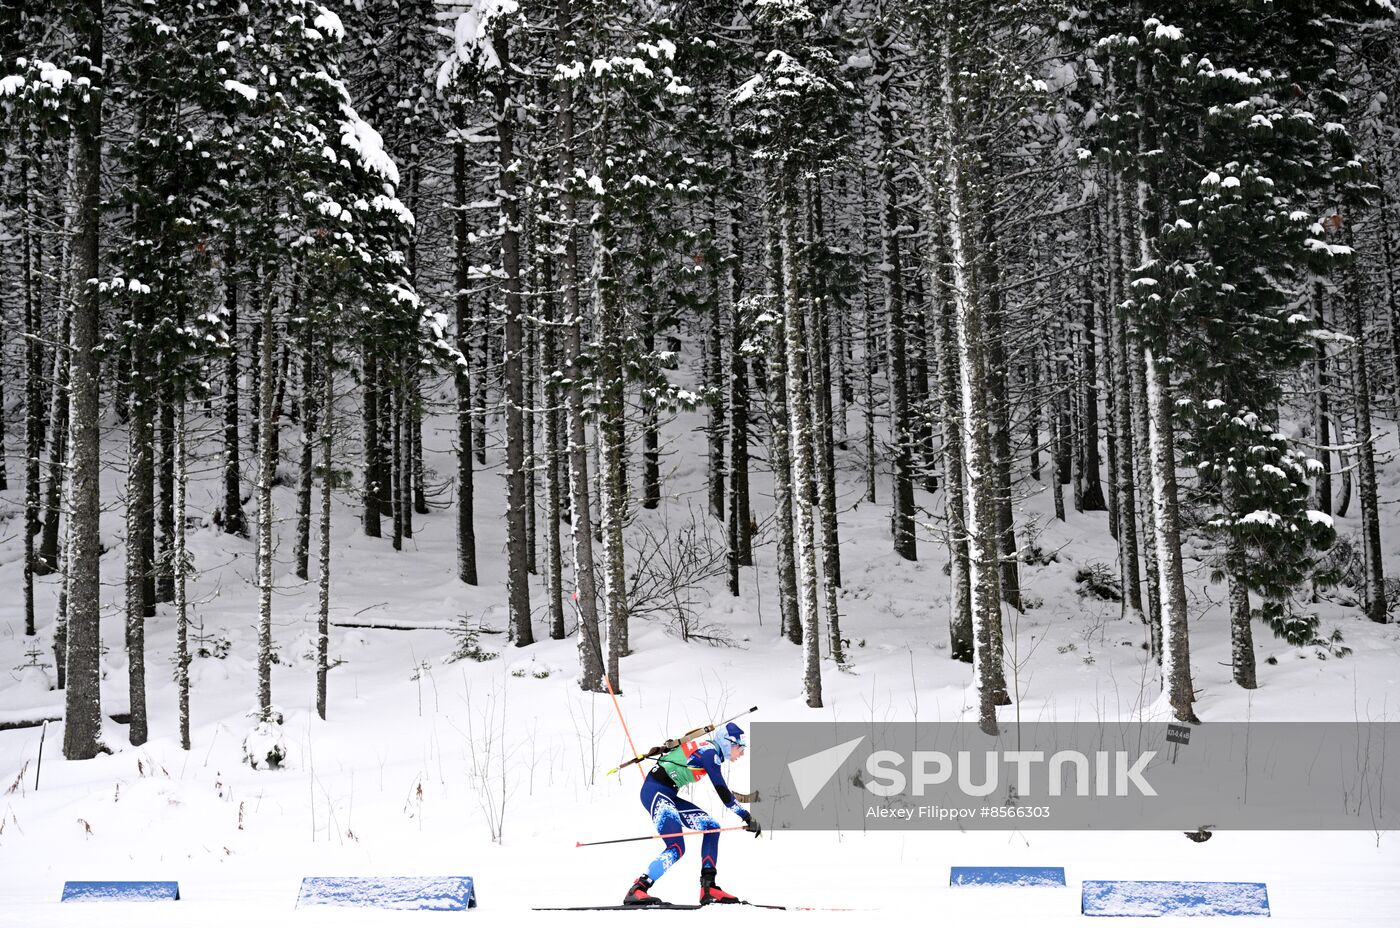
pixel 728 736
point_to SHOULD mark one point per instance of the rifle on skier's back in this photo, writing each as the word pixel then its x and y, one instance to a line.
pixel 671 744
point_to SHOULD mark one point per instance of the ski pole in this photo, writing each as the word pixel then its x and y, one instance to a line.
pixel 40 766
pixel 598 651
pixel 674 834
pixel 676 742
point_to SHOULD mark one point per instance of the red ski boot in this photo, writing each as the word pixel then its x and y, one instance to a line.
pixel 638 894
pixel 709 892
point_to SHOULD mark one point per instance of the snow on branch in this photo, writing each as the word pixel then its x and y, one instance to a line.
pixel 471 39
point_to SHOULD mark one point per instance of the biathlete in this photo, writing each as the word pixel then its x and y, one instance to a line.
pixel 670 813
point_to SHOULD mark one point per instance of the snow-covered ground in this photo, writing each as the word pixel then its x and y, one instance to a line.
pixel 421 759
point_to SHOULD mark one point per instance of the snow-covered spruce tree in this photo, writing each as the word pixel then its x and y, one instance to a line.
pixel 62 83
pixel 1017 171
pixel 961 635
pixel 953 34
pixel 1366 84
pixel 326 188
pixel 892 266
pixel 481 56
pixel 631 91
pixel 1227 251
pixel 33 133
pixel 170 75
pixel 792 114
pixel 1376 126
pixel 770 333
pixel 707 38
pixel 462 236
pixel 569 71
pixel 1250 249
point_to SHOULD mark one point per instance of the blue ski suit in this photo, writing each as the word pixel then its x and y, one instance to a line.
pixel 670 813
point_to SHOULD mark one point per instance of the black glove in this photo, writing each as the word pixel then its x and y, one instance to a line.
pixel 753 826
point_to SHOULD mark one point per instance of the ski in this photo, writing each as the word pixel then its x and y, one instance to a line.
pixel 804 908
pixel 660 906
pixel 673 906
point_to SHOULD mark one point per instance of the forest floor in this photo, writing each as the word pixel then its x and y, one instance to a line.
pixel 494 769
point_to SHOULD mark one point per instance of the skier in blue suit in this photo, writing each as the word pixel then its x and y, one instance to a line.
pixel 680 766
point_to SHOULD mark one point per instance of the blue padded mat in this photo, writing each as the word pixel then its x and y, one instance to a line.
pixel 1167 897
pixel 1007 876
pixel 120 891
pixel 442 893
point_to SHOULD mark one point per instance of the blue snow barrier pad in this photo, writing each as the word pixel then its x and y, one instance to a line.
pixel 120 891
pixel 1007 876
pixel 440 893
pixel 1152 898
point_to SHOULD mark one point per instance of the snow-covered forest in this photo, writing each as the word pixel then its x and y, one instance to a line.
pixel 570 347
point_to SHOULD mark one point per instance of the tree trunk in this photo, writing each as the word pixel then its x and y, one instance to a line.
pixel 310 415
pixel 279 399
pixel 403 449
pixel 266 472
pixel 140 477
pixel 33 404
pixel 1241 629
pixel 988 266
pixel 972 341
pixel 612 499
pixel 780 442
pixel 554 450
pixel 651 437
pixel 370 506
pixel 165 516
pixel 1365 450
pixel 235 522
pixel 823 458
pixel 531 403
pixel 872 363
pixel 901 435
pixel 1176 648
pixel 920 355
pixel 1138 426
pixel 323 617
pixel 1057 441
pixel 1093 499
pixel 795 343
pixel 823 445
pixel 59 403
pixel 255 371
pixel 394 420
pixel 1388 272
pixel 715 371
pixel 83 700
pixel 585 590
pixel 420 494
pixel 517 568
pixel 385 392
pixel 1122 400
pixel 1322 415
pixel 180 569
pixel 483 367
pixel 740 518
pixel 462 378
pixel 1032 376
pixel 960 622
